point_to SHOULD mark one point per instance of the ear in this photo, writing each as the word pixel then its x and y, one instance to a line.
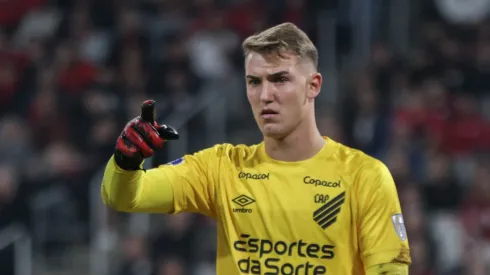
pixel 314 85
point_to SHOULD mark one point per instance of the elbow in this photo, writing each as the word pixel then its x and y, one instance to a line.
pixel 389 269
pixel 118 189
pixel 117 203
pixel 120 206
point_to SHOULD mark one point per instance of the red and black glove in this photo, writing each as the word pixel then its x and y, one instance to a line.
pixel 141 137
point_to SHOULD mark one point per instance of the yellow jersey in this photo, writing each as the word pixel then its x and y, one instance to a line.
pixel 336 213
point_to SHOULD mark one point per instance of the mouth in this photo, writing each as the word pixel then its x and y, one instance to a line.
pixel 267 113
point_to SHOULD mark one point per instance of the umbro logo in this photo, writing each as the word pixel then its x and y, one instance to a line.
pixel 326 215
pixel 243 201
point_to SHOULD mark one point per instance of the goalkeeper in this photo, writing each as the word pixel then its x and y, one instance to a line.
pixel 297 203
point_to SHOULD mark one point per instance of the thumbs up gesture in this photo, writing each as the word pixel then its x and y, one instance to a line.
pixel 141 137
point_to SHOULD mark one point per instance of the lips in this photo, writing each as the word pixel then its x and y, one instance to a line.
pixel 268 112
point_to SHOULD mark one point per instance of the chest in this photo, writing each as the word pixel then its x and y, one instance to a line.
pixel 293 203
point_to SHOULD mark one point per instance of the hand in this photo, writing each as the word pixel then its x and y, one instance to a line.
pixel 141 137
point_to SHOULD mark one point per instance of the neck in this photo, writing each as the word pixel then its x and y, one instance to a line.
pixel 301 144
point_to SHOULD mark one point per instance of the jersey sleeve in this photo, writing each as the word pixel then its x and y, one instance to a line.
pixel 389 268
pixel 194 179
pixel 382 234
pixel 183 185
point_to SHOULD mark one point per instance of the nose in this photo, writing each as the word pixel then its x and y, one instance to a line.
pixel 267 93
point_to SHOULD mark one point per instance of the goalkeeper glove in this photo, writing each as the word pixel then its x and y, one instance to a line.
pixel 141 137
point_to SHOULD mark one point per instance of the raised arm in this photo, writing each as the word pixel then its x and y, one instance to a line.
pixel 136 191
pixel 182 185
pixel 185 185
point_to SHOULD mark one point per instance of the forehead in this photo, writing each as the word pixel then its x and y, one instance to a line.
pixel 265 64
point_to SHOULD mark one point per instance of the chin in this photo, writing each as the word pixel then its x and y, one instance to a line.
pixel 273 131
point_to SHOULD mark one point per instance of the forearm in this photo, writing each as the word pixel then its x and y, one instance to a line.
pixel 388 269
pixel 136 191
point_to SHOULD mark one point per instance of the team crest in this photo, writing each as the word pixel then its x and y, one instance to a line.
pixel 399 225
pixel 327 214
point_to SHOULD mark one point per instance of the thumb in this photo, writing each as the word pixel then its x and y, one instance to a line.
pixel 148 114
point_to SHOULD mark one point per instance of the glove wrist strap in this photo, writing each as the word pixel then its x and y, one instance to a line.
pixel 127 163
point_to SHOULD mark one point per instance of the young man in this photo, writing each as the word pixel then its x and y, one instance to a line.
pixel 297 203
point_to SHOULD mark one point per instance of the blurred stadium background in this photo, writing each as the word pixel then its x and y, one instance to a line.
pixel 407 81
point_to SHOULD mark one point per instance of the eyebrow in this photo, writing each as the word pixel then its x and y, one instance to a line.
pixel 281 73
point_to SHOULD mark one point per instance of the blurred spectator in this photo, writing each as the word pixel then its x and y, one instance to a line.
pixel 135 261
pixel 464 134
pixel 420 260
pixel 246 17
pixel 441 192
pixel 15 147
pixel 211 46
pixel 12 11
pixel 476 208
pixel 8 188
pixel 176 239
pixel 75 74
pixel 40 23
pixel 94 44
pixel 170 266
pixel 364 120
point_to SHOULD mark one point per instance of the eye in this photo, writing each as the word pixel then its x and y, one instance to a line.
pixel 282 79
pixel 253 82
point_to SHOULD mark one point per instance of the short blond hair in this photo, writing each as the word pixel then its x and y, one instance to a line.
pixel 280 40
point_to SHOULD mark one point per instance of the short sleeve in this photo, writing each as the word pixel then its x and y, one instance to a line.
pixel 382 234
pixel 193 180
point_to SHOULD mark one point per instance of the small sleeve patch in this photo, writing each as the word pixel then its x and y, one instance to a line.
pixel 399 225
pixel 176 162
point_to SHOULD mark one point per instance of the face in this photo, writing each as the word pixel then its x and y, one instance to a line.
pixel 281 92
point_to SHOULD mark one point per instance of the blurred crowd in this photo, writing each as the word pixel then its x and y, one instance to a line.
pixel 73 72
pixel 427 116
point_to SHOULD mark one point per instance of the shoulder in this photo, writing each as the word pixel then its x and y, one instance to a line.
pixel 360 164
pixel 221 154
pixel 240 152
pixel 370 177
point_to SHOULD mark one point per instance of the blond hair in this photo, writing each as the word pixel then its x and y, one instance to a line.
pixel 280 40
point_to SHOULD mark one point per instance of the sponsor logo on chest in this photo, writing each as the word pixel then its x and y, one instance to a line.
pixel 319 182
pixel 253 176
